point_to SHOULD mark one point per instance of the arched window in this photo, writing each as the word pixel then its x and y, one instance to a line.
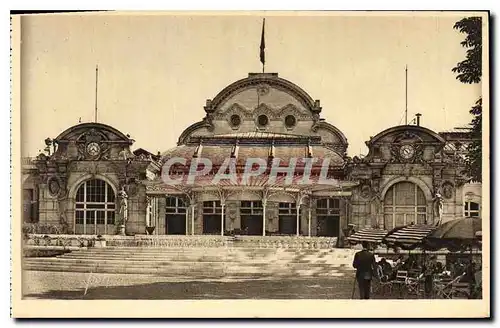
pixel 94 208
pixel 404 203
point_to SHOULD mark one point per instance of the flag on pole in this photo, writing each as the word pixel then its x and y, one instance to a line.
pixel 263 44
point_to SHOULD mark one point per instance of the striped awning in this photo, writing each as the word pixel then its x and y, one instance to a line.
pixel 369 235
pixel 410 236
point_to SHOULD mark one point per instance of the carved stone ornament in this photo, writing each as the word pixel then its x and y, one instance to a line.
pixel 447 190
pixel 232 211
pixel 92 145
pixel 262 89
pixel 365 191
pixel 56 187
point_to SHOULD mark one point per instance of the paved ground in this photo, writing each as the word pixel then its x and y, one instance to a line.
pixel 71 285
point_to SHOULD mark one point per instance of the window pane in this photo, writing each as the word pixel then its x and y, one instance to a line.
pixel 181 202
pixel 111 195
pixel 420 196
pixel 405 193
pixel 400 219
pixel 80 195
pixel 320 211
pixel 170 202
pixel 388 196
pixel 94 206
pixel 100 217
pixel 335 203
pixel 389 224
pixel 90 217
pixel 474 206
pixel 322 203
pixel 421 209
pixel 421 218
pixel 474 214
pixel 111 217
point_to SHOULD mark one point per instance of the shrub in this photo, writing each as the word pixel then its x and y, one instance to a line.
pixel 44 228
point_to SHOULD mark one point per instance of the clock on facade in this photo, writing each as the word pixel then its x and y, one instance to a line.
pixel 93 149
pixel 407 151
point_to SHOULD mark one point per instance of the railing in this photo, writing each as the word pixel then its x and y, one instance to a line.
pixel 292 242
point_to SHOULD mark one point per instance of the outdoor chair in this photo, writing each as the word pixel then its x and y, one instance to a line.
pixel 414 285
pixel 460 290
pixel 383 285
pixel 400 280
pixel 445 289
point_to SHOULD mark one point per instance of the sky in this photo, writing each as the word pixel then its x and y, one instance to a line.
pixel 157 70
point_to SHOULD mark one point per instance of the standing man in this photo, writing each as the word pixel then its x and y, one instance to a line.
pixel 365 265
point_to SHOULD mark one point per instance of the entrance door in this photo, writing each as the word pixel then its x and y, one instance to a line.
pixel 252 224
pixel 328 226
pixel 211 224
pixel 251 213
pixel 175 224
pixel 288 224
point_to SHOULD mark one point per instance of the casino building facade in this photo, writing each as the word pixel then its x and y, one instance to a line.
pixel 90 181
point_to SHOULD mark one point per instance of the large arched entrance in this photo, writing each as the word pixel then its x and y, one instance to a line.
pixel 95 208
pixel 404 203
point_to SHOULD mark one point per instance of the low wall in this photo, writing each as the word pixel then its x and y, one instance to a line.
pixel 180 241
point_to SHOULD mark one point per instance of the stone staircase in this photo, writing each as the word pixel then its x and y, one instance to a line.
pixel 191 262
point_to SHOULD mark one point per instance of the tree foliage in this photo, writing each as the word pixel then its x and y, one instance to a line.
pixel 470 71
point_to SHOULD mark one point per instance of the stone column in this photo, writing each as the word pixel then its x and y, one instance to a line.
pixel 264 201
pixel 222 219
pixel 298 218
pixel 309 221
pixel 192 218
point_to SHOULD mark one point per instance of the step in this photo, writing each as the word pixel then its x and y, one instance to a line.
pixel 172 272
pixel 135 270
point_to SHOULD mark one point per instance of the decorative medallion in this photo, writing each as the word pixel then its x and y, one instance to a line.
pixel 365 191
pixel 54 186
pixel 262 90
pixel 447 190
pixel 290 121
pixel 262 120
pixel 235 120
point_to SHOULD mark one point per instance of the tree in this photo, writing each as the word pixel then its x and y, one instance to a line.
pixel 470 71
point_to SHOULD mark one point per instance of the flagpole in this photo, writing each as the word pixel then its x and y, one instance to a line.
pixel 96 82
pixel 263 46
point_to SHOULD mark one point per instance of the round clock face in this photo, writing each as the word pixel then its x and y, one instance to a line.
pixel 93 149
pixel 407 151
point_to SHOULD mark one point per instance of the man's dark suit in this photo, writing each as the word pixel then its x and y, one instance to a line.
pixel 365 265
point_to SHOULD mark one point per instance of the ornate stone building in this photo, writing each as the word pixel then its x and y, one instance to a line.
pixel 89 180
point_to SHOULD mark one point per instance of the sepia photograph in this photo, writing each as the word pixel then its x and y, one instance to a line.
pixel 251 164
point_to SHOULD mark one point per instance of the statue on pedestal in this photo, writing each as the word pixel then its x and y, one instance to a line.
pixel 438 205
pixel 123 209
